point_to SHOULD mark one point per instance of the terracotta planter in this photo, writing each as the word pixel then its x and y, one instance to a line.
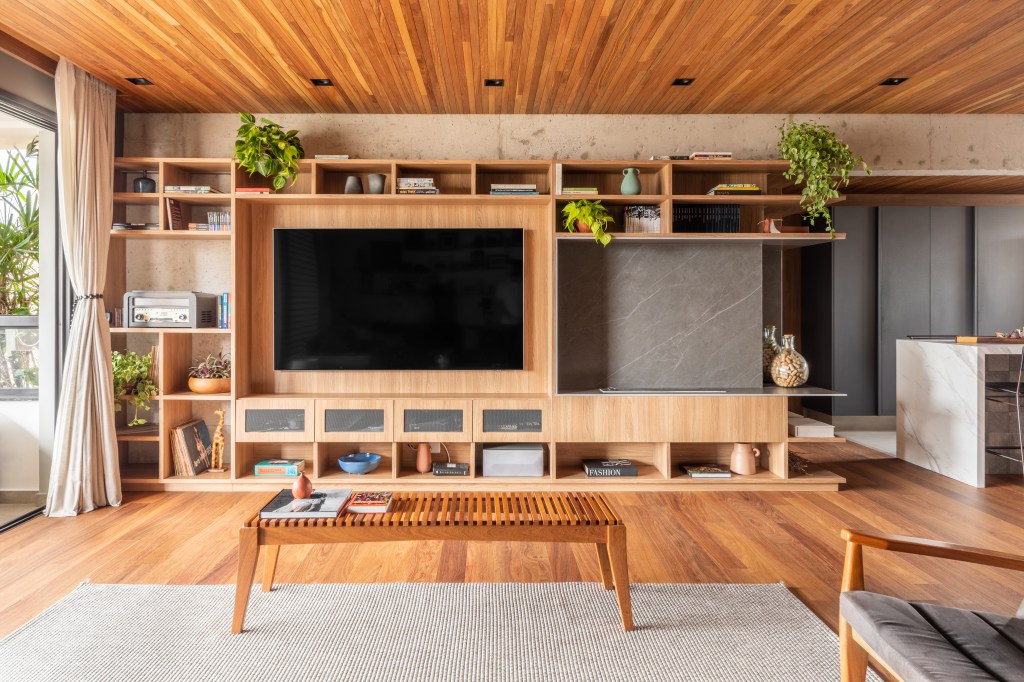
pixel 209 385
pixel 583 228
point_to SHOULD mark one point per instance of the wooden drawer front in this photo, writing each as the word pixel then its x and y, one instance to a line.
pixel 434 420
pixel 610 419
pixel 344 421
pixel 496 421
pixel 725 419
pixel 269 420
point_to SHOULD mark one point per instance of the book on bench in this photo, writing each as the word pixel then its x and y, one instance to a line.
pixel 322 504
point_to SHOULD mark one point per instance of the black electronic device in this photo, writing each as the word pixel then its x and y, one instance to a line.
pixel 398 299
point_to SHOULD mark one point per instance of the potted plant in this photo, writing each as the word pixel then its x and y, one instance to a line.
pixel 132 382
pixel 211 375
pixel 583 215
pixel 267 149
pixel 819 160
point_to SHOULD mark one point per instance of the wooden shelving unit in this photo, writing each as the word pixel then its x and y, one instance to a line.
pixel 649 429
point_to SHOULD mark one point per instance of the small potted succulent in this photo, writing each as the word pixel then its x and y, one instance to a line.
pixel 584 215
pixel 211 375
pixel 132 382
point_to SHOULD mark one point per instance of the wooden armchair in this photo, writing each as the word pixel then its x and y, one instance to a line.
pixel 916 642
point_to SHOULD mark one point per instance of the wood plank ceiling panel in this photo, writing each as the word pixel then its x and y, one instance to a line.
pixel 556 56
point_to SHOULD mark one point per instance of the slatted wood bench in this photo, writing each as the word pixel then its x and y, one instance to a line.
pixel 496 517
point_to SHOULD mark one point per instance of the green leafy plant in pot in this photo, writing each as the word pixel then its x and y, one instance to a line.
pixel 132 381
pixel 266 148
pixel 821 162
pixel 582 215
pixel 211 375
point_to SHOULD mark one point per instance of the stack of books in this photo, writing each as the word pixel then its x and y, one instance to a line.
pixel 737 189
pixel 705 218
pixel 512 189
pixel 579 190
pixel 706 470
pixel 641 219
pixel 191 189
pixel 417 186
pixel 280 467
pixel 135 226
pixel 604 468
pixel 370 502
pixel 224 310
pixel 331 157
pixel 216 221
pixel 321 504
pixel 710 156
pixel 190 448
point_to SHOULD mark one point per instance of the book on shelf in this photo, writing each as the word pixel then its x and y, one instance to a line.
pixel 710 156
pixel 514 187
pixel 415 182
pixel 191 446
pixel 449 469
pixel 134 226
pixel 609 467
pixel 803 427
pixel 219 221
pixel 331 157
pixel 224 310
pixel 706 470
pixel 579 190
pixel 175 215
pixel 279 467
pixel 192 189
pixel 513 193
pixel 252 190
pixel 728 189
pixel 321 504
pixel 368 502
pixel 641 218
pixel 671 157
pixel 418 190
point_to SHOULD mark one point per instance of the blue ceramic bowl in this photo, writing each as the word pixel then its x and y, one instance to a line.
pixel 359 462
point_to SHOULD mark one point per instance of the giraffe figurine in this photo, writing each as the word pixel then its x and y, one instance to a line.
pixel 217 456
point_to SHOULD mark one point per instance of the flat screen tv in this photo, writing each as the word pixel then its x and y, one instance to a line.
pixel 398 299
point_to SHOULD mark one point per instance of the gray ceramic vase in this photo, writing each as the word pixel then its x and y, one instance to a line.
pixel 353 185
pixel 376 182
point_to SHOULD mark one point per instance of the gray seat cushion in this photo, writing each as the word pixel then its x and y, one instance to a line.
pixel 924 642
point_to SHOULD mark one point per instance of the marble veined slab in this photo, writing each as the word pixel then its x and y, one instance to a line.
pixel 940 406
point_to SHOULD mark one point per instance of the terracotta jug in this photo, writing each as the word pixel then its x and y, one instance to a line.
pixel 423 460
pixel 744 459
pixel 302 487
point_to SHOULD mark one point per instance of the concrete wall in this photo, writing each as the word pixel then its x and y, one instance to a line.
pixel 908 142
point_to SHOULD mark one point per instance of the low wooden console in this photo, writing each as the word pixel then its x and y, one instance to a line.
pixel 318 416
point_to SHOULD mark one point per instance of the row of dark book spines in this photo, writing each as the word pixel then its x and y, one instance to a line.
pixel 697 218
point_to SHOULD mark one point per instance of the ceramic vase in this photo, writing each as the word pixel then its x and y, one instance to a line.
pixel 144 184
pixel 423 460
pixel 302 487
pixel 376 182
pixel 353 185
pixel 789 368
pixel 769 349
pixel 630 181
pixel 744 459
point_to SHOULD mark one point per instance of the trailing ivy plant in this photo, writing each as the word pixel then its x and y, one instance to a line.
pixel 592 215
pixel 132 380
pixel 265 148
pixel 819 160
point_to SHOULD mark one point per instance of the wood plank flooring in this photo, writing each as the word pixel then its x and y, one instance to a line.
pixel 735 537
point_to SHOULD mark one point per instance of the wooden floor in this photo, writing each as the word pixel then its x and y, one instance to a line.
pixel 734 537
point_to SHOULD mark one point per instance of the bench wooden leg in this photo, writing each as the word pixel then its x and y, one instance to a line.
pixel 620 571
pixel 853 660
pixel 606 567
pixel 248 551
pixel 270 565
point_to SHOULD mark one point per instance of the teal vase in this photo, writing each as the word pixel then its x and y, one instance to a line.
pixel 631 181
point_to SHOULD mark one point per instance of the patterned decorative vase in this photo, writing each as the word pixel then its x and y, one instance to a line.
pixel 144 184
pixel 630 181
pixel 376 182
pixel 353 185
pixel 789 368
pixel 769 349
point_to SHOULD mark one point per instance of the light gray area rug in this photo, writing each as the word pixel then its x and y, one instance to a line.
pixel 423 631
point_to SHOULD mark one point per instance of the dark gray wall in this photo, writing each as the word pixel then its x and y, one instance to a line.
pixel 951 304
pixel 23 81
pixel 651 314
pixel 1000 245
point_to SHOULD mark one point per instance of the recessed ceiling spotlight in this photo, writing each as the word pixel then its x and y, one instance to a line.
pixel 494 82
pixel 139 81
pixel 321 82
pixel 683 81
pixel 892 81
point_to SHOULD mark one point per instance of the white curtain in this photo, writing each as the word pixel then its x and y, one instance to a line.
pixel 85 472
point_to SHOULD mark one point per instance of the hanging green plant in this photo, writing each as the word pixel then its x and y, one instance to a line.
pixel 821 162
pixel 267 149
pixel 583 214
pixel 132 381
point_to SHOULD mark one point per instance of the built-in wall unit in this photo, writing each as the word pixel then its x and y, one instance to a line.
pixel 648 348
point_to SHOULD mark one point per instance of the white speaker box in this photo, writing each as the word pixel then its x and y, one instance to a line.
pixel 514 459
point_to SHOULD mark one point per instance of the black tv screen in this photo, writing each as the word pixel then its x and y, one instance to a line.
pixel 398 299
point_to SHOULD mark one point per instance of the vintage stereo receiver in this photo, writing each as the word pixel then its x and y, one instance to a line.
pixel 176 309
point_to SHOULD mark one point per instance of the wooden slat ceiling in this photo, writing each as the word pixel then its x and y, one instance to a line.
pixel 556 56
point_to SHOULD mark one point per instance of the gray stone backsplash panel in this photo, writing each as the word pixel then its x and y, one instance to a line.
pixel 657 315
